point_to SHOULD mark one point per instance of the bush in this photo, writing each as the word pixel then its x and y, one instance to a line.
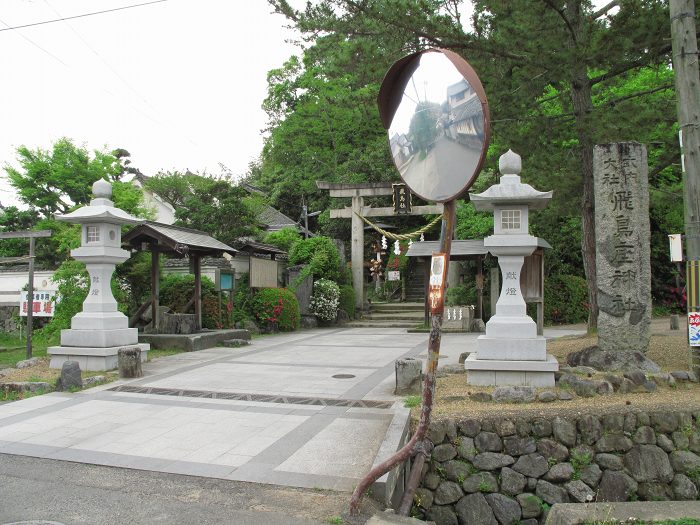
pixel 565 299
pixel 347 300
pixel 462 294
pixel 284 239
pixel 278 306
pixel 324 301
pixel 176 290
pixel 320 256
pixel 73 284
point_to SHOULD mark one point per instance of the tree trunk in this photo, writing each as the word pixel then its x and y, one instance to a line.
pixel 582 104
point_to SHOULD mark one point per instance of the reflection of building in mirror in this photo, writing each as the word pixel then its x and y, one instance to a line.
pixel 465 122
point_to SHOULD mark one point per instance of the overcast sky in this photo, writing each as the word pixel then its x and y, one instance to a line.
pixel 179 84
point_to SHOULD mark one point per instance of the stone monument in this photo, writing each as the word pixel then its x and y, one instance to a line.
pixel 510 352
pixel 100 330
pixel 622 246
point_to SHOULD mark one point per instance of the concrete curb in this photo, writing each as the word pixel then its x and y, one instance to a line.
pixel 388 489
pixel 645 511
pixel 193 342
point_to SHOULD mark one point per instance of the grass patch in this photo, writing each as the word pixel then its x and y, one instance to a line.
pixel 412 401
pixel 17 348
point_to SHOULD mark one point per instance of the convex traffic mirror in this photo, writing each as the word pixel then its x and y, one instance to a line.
pixel 435 110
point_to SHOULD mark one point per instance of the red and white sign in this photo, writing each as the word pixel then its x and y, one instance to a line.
pixel 42 306
pixel 694 328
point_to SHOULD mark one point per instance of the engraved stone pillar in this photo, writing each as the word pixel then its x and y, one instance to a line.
pixel 622 246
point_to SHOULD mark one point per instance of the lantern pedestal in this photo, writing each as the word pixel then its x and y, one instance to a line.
pixel 100 330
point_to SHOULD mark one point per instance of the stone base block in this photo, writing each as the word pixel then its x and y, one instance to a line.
pixel 491 372
pixel 511 327
pixel 93 359
pixel 520 349
pixel 99 321
pixel 100 338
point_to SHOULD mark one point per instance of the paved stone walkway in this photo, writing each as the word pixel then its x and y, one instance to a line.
pixel 307 409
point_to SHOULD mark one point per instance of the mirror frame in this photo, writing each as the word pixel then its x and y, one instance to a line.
pixel 393 87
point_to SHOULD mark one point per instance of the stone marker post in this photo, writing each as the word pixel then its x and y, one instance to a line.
pixel 622 246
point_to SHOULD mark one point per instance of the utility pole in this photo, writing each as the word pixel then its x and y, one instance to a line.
pixel 31 235
pixel 685 69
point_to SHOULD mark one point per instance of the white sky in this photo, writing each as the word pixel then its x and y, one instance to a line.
pixel 429 82
pixel 178 84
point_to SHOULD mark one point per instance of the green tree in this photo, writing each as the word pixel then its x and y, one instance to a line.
pixel 213 205
pixel 323 123
pixel 58 180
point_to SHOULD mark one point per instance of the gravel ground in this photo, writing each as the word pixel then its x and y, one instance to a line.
pixel 42 372
pixel 667 348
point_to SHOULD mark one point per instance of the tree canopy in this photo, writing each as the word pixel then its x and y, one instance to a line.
pixel 213 205
pixel 560 75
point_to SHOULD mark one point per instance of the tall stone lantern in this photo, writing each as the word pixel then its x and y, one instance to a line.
pixel 100 330
pixel 511 352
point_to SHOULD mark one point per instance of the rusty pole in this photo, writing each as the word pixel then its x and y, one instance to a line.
pixel 410 448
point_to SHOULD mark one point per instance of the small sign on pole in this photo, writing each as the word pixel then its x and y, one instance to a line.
pixel 694 328
pixel 676 247
pixel 436 291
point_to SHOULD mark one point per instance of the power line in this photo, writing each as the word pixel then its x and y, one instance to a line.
pixel 82 15
pixel 35 44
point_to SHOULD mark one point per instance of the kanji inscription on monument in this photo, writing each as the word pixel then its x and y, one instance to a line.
pixel 622 246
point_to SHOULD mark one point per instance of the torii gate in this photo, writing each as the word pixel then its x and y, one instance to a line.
pixel 357 192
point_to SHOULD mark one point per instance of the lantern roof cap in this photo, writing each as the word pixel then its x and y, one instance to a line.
pixel 510 190
pixel 101 209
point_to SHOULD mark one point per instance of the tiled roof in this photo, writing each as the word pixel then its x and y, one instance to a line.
pixel 176 235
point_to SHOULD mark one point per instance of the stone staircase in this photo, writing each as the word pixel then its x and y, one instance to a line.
pixel 415 287
pixel 391 315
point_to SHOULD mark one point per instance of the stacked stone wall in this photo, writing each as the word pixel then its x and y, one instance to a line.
pixel 511 470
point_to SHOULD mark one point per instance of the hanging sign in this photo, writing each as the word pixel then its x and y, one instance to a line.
pixel 42 305
pixel 402 199
pixel 393 276
pixel 436 286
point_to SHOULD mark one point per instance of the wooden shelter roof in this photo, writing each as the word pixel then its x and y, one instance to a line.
pixel 176 240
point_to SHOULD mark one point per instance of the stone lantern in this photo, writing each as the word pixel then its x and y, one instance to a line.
pixel 100 330
pixel 511 352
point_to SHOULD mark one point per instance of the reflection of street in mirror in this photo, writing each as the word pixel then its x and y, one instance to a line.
pixel 437 133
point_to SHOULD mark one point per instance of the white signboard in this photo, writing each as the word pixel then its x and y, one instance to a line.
pixel 694 328
pixel 393 276
pixel 676 246
pixel 42 306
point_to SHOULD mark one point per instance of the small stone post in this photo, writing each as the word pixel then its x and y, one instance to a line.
pixel 622 246
pixel 129 359
pixel 408 376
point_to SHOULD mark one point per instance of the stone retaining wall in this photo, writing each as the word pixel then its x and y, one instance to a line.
pixel 511 470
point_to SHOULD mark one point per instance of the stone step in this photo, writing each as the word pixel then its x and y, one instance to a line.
pixel 382 324
pixel 397 307
pixel 403 316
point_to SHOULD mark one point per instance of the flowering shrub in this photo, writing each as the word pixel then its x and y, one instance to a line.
pixel 278 306
pixel 324 301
